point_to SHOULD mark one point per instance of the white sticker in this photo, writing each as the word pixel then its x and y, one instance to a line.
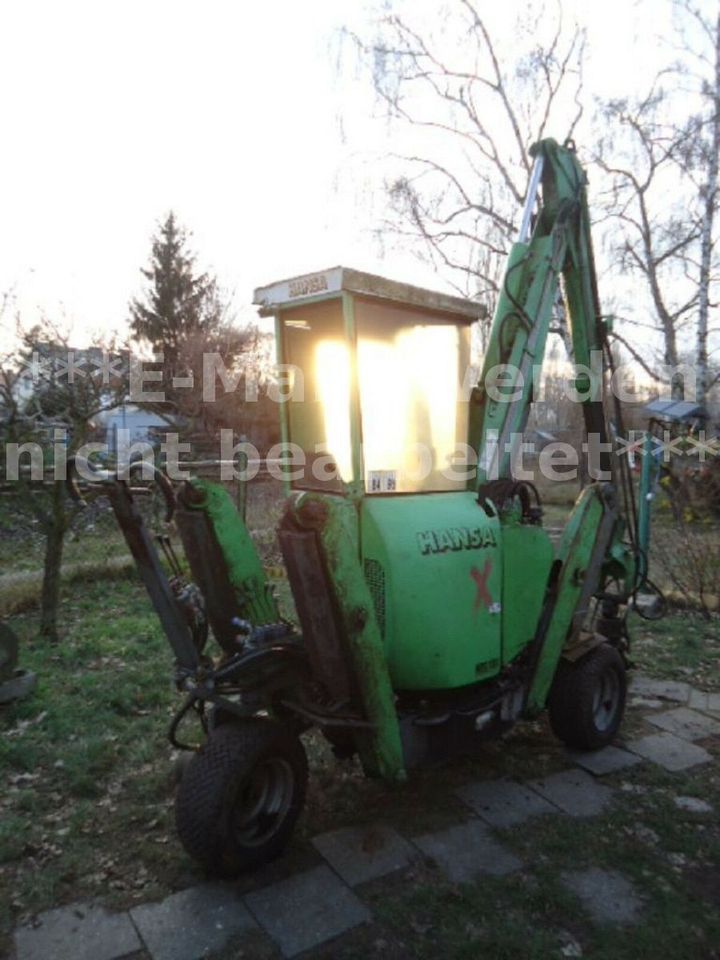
pixel 382 481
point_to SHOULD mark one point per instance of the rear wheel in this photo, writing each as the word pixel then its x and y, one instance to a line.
pixel 241 795
pixel 587 700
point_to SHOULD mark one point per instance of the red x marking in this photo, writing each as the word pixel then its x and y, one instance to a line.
pixel 481 582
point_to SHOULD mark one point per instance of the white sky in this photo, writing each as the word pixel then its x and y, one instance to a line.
pixel 113 113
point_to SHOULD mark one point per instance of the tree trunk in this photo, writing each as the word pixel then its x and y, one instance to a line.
pixel 706 239
pixel 54 541
pixel 672 363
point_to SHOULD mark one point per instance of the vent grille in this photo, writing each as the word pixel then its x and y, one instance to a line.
pixel 375 579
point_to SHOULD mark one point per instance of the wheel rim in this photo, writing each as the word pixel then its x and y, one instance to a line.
pixel 606 700
pixel 263 802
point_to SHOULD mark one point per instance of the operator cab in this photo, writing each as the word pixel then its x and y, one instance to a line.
pixel 377 376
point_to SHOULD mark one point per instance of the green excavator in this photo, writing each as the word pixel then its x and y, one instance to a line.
pixel 434 610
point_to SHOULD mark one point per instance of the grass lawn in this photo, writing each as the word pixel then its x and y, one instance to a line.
pixel 84 760
pixel 681 646
pixel 86 809
pixel 87 805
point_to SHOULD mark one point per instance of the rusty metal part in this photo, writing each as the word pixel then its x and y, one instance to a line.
pixel 321 631
pixel 107 477
pixel 210 573
pixel 142 548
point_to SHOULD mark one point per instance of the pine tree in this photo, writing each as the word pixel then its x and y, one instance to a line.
pixel 180 304
pixel 182 316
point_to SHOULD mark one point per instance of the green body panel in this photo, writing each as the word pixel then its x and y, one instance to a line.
pixel 355 486
pixel 424 557
pixel 256 601
pixel 516 344
pixel 648 478
pixel 561 245
pixel 440 558
pixel 527 559
pixel 283 404
pixel 336 519
pixel 575 553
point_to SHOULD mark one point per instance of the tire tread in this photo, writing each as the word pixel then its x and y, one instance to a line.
pixel 203 800
pixel 571 697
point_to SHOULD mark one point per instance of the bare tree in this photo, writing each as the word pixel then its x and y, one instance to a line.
pixel 655 236
pixel 659 155
pixel 708 149
pixel 49 395
pixel 472 107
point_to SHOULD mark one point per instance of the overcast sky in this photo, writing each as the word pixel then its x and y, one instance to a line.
pixel 228 113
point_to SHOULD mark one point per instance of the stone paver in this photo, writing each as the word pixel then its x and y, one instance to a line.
pixel 607 760
pixel 187 925
pixel 574 792
pixel 307 909
pixel 467 850
pixel 676 690
pixel 360 854
pixel 698 700
pixel 693 804
pixel 503 803
pixel 705 702
pixel 608 896
pixel 78 932
pixel 669 751
pixel 648 703
pixel 685 723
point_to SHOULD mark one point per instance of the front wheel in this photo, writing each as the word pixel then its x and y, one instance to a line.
pixel 241 795
pixel 587 700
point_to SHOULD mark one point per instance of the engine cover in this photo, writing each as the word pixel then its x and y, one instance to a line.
pixel 433 563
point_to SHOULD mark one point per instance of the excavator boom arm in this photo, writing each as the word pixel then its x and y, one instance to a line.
pixel 555 251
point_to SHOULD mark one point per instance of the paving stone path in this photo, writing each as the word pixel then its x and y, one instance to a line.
pixel 607 895
pixel 311 907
